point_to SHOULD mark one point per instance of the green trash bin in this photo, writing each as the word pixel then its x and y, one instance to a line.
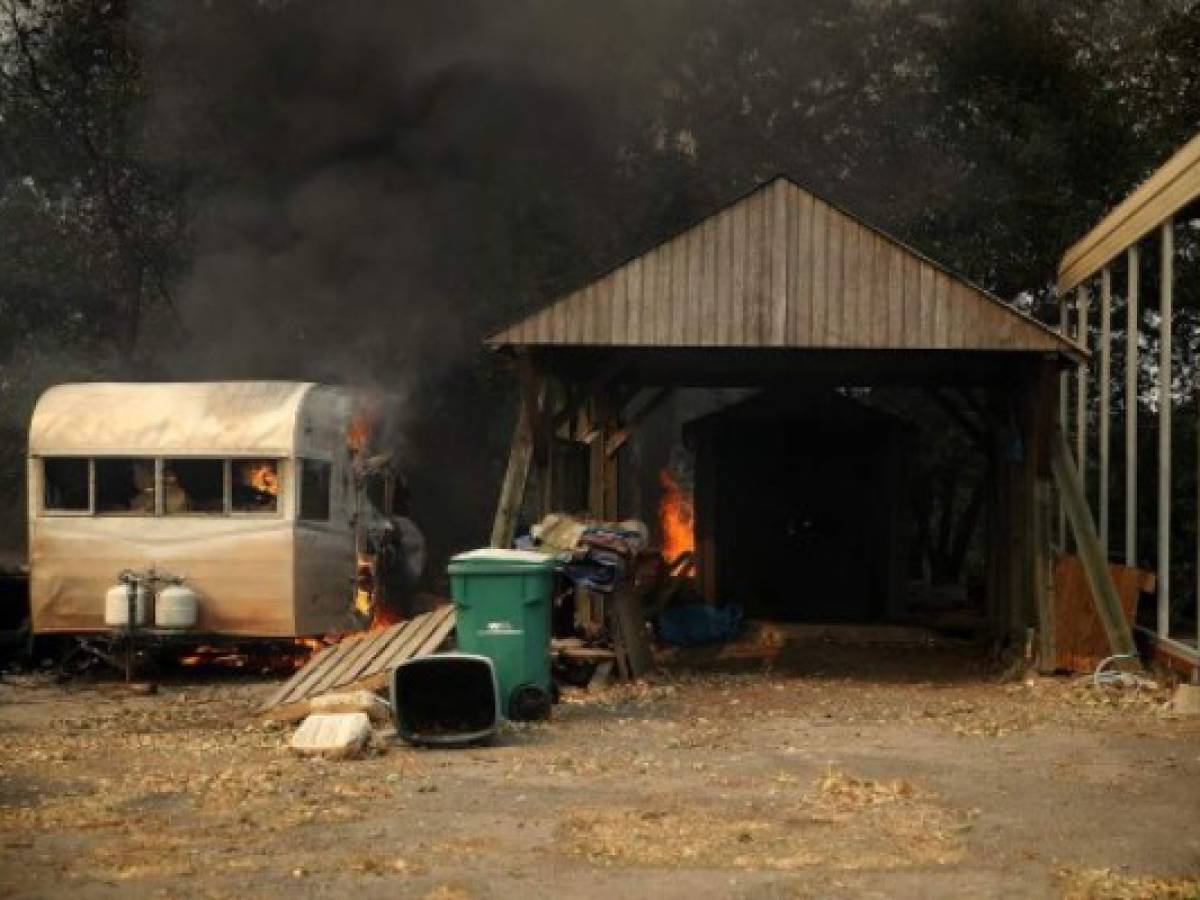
pixel 502 600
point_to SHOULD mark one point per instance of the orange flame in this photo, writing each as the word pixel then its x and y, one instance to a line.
pixel 358 432
pixel 265 478
pixel 677 517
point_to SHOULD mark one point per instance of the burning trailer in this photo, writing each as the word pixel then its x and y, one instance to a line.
pixel 202 511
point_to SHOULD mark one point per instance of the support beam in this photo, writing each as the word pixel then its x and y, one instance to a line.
pixel 1105 393
pixel 1095 566
pixel 1164 428
pixel 1064 390
pixel 1133 318
pixel 512 491
pixel 1081 385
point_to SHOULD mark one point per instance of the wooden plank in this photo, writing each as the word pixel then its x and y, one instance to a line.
pixel 649 329
pixel 1132 322
pixel 879 291
pixel 629 633
pixel 928 305
pixel 737 317
pixel 800 281
pixel 1103 590
pixel 301 678
pixel 618 326
pixel 1105 390
pixel 708 287
pixel 821 216
pixel 336 667
pixel 941 318
pixel 633 327
pixel 1081 383
pixel 695 286
pixel 1165 403
pixel 663 295
pixel 677 307
pixel 752 311
pixel 912 303
pixel 776 333
pixel 1160 197
pixel 725 278
pixel 1080 639
pixel 864 265
pixel 401 646
pixel 516 476
pixel 895 295
pixel 840 281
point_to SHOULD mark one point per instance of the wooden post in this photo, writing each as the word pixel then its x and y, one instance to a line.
pixel 1095 566
pixel 1081 388
pixel 1133 318
pixel 1164 429
pixel 1043 397
pixel 1064 390
pixel 1105 391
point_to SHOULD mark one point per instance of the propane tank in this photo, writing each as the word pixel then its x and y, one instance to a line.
pixel 176 606
pixel 116 606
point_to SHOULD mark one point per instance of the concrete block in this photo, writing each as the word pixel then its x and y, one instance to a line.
pixel 334 735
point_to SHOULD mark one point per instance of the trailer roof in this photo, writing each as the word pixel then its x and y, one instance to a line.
pixel 189 418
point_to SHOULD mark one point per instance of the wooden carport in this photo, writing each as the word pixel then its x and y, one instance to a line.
pixel 779 288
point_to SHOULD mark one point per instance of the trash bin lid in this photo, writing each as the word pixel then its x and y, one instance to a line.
pixel 490 559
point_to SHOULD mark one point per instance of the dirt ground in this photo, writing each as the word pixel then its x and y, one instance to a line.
pixel 826 771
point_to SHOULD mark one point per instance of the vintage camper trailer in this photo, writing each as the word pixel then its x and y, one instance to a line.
pixel 245 489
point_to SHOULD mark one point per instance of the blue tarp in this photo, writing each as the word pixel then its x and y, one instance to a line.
pixel 692 626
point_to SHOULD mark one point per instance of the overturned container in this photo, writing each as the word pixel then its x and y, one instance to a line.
pixel 446 700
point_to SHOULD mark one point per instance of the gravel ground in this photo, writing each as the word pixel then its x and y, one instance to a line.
pixel 817 771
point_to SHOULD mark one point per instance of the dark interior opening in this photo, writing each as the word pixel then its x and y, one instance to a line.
pixel 125 486
pixel 444 699
pixel 193 486
pixel 65 484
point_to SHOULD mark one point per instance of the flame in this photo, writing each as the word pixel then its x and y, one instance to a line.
pixel 359 431
pixel 264 478
pixel 365 602
pixel 677 517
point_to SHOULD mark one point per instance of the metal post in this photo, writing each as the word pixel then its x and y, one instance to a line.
pixel 1064 386
pixel 1105 391
pixel 1133 317
pixel 1164 429
pixel 1081 389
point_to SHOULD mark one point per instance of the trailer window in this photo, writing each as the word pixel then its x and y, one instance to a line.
pixel 65 484
pixel 314 490
pixel 193 486
pixel 255 485
pixel 125 486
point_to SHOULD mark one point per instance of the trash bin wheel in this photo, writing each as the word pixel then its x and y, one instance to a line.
pixel 529 702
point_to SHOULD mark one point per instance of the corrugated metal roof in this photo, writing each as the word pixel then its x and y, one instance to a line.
pixel 783 268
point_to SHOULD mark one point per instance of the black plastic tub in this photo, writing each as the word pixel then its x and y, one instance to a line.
pixel 446 700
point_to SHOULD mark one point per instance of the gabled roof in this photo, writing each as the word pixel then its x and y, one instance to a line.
pixel 780 267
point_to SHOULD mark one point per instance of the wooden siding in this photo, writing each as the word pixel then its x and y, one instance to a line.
pixel 1163 194
pixel 783 268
